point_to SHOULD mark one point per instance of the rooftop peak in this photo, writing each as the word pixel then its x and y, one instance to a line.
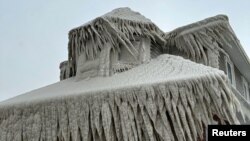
pixel 126 14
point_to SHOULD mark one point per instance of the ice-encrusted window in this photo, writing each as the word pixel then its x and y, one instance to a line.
pixel 230 71
pixel 125 60
pixel 125 55
pixel 245 88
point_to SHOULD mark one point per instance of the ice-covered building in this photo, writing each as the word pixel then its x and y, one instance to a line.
pixel 213 42
pixel 126 80
pixel 112 43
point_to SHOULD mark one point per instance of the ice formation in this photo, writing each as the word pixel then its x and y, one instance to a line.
pixel 117 28
pixel 164 98
pixel 169 98
pixel 204 38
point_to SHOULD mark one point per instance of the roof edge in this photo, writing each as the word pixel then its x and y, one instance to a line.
pixel 118 17
pixel 204 22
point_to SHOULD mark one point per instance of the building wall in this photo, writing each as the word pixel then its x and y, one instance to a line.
pixel 222 60
pixel 237 75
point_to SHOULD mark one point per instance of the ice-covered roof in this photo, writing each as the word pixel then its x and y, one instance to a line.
pixel 206 23
pixel 164 69
pixel 124 13
pixel 211 34
pixel 117 28
pixel 174 96
pixel 127 14
pixel 214 33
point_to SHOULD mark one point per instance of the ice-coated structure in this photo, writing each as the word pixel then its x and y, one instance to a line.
pixel 112 43
pixel 121 83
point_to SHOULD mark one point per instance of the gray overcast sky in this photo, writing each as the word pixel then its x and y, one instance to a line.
pixel 34 34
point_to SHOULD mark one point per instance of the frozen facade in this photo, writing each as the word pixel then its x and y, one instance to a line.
pixel 213 42
pixel 127 80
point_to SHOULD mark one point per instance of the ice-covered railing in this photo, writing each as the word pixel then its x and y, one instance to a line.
pixel 123 66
